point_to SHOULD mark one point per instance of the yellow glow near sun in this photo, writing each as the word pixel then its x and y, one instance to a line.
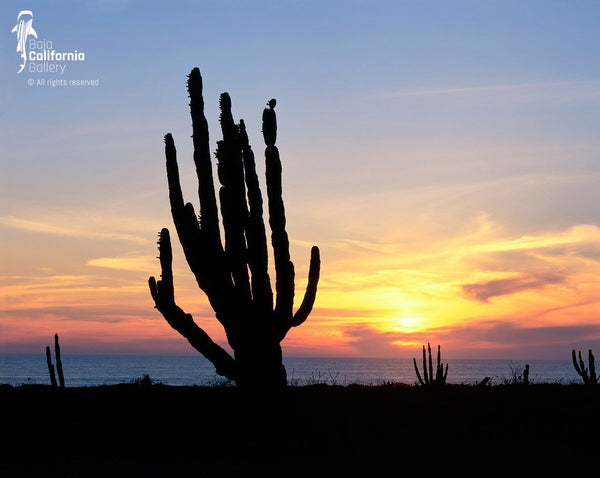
pixel 409 324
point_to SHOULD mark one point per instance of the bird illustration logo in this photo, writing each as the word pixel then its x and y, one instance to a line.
pixel 23 29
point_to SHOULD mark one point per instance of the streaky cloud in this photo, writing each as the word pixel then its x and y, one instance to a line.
pixel 487 88
pixel 139 263
pixel 52 229
pixel 491 339
pixel 504 333
pixel 483 292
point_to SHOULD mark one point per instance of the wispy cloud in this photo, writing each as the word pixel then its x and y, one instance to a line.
pixel 141 263
pixel 505 333
pixel 67 230
pixel 488 88
pixel 495 338
pixel 484 291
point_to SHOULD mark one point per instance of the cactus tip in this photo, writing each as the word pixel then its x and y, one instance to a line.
pixel 225 101
pixel 243 134
pixel 194 80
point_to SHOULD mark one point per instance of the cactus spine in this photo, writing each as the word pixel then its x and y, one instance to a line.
pixel 234 276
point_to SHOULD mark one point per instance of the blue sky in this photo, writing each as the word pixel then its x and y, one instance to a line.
pixel 366 73
pixel 400 122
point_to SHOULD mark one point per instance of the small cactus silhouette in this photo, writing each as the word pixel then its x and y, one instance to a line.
pixel 51 368
pixel 428 377
pixel 589 376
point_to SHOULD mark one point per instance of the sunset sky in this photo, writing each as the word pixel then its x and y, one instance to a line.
pixel 444 156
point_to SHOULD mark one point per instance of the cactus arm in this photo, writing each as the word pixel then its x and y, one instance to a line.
pixel 284 268
pixel 417 370
pixel 175 193
pixel 586 377
pixel 184 216
pixel 232 195
pixel 310 295
pixel 574 358
pixel 425 366
pixel 592 366
pixel 162 292
pixel 430 363
pixel 441 374
pixel 50 367
pixel 59 367
pixel 219 286
pixel 256 236
pixel 439 368
pixel 209 216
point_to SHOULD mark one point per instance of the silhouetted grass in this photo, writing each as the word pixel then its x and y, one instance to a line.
pixel 144 429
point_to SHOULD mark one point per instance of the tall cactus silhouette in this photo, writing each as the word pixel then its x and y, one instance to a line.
pixel 235 276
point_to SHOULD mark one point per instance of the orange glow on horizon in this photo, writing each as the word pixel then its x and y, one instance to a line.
pixel 374 299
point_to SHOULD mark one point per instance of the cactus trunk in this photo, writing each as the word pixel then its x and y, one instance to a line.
pixel 234 274
pixel 50 367
pixel 59 367
pixel 260 366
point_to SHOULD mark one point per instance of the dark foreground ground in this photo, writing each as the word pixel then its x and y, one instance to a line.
pixel 153 430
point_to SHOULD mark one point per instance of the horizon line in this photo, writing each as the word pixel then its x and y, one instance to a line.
pixel 320 357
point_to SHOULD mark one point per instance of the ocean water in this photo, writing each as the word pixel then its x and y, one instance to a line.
pixel 93 370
